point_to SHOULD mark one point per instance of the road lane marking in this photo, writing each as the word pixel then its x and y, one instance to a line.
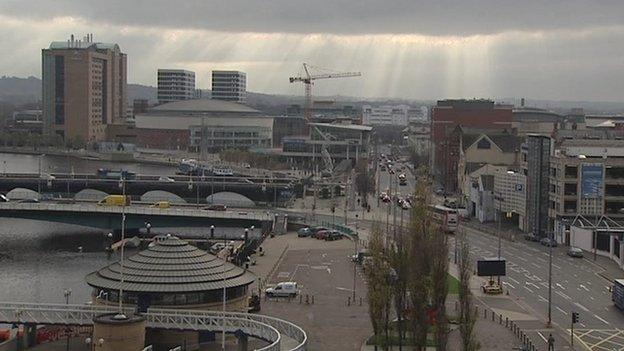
pixel 535 265
pixel 583 287
pixel 513 280
pixel 581 307
pixel 542 336
pixel 532 284
pixel 562 311
pixel 505 283
pixel 542 298
pixel 563 295
pixel 600 319
pixel 531 291
pixel 522 259
pixel 559 285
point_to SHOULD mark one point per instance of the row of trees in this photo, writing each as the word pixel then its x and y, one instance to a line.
pixel 407 279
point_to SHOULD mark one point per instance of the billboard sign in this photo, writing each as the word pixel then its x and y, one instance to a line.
pixel 491 267
pixel 591 180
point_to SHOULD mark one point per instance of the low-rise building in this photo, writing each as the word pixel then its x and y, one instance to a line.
pixel 27 121
pixel 204 124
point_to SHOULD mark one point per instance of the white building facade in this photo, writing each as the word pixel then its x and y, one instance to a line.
pixel 398 115
pixel 175 85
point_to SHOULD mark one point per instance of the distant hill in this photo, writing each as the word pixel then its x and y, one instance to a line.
pixel 18 91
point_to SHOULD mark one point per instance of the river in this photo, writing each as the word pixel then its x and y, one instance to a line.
pixel 40 260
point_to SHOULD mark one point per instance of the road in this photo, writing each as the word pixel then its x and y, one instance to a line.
pixel 576 286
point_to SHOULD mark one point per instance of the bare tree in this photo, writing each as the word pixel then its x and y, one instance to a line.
pixel 379 292
pixel 467 316
pixel 399 260
pixel 421 228
pixel 439 287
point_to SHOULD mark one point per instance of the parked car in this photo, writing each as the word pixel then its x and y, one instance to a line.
pixel 28 201
pixel 548 242
pixel 333 235
pixel 575 252
pixel 166 179
pixel 304 232
pixel 314 230
pixel 321 234
pixel 283 289
pixel 216 207
pixel 531 237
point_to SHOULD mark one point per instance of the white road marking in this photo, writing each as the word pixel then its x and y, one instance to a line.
pixel 535 265
pixel 531 291
pixel 600 319
pixel 581 307
pixel 562 311
pixel 542 298
pixel 583 287
pixel 591 298
pixel 522 259
pixel 533 285
pixel 542 336
pixel 558 267
pixel 513 280
pixel 505 283
pixel 562 295
pixel 582 325
pixel 345 289
pixel 559 285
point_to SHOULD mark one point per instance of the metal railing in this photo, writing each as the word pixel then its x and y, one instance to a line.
pixel 142 210
pixel 264 327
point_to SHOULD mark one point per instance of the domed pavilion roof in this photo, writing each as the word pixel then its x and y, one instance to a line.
pixel 171 266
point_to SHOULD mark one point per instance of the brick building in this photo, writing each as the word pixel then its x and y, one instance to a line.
pixel 447 115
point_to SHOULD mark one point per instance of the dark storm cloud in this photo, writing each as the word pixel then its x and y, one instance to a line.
pixel 441 17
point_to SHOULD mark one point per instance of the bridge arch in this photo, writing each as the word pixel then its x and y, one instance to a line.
pixel 90 195
pixel 230 199
pixel 161 195
pixel 22 193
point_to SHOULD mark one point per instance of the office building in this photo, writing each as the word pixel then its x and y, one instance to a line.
pixel 84 88
pixel 229 86
pixel 445 117
pixel 537 167
pixel 175 85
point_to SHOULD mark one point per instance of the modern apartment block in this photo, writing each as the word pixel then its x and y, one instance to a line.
pixel 229 86
pixel 175 85
pixel 84 88
pixel 537 153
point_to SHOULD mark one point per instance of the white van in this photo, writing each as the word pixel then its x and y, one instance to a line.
pixel 283 289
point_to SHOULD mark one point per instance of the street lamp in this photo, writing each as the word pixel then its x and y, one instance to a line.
pixel 67 293
pixel 121 315
pixel 550 245
pixel 93 343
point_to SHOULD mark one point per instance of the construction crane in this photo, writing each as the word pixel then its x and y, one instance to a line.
pixel 308 80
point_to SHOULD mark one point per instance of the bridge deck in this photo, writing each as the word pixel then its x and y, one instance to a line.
pixel 140 210
pixel 274 330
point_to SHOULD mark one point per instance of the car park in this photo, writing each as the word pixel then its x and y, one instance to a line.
pixel 285 289
pixel 548 242
pixel 575 252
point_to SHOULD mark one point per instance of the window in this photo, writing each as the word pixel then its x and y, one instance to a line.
pixel 483 144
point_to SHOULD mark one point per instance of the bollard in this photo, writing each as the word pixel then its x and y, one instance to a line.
pixel 484 313
pixel 300 298
pixel 307 301
pixel 360 301
pixel 493 316
pixel 349 301
pixel 455 305
pixel 506 322
pixel 476 310
pixel 500 319
pixel 313 299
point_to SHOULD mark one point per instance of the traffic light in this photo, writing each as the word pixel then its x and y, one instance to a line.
pixel 575 317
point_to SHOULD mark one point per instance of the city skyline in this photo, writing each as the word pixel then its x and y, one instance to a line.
pixel 557 51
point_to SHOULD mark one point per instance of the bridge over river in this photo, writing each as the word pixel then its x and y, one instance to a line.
pixel 191 189
pixel 109 217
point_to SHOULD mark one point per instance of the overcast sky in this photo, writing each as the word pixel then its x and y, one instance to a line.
pixel 556 49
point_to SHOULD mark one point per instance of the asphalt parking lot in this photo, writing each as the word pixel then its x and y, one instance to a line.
pixel 322 270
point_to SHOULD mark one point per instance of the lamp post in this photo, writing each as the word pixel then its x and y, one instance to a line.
pixel 93 343
pixel 550 234
pixel 120 315
pixel 224 294
pixel 67 293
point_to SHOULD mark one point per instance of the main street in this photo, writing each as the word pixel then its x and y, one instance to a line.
pixel 577 284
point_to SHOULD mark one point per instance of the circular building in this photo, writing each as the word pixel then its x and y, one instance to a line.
pixel 173 274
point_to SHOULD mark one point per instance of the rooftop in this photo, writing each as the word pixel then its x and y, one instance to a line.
pixel 171 266
pixel 343 126
pixel 204 105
